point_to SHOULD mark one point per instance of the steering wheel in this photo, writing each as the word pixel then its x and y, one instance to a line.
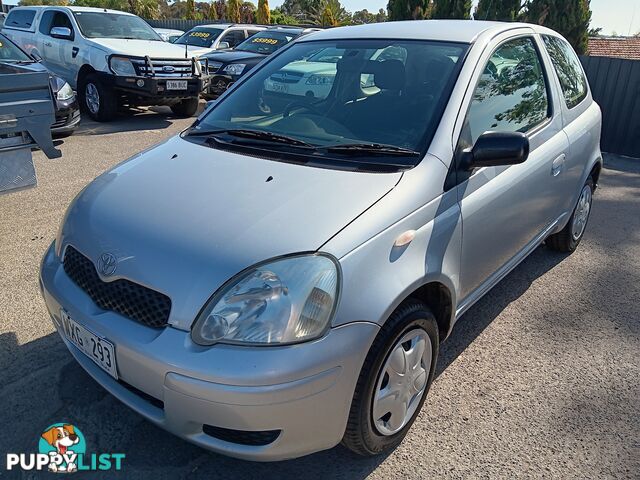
pixel 287 110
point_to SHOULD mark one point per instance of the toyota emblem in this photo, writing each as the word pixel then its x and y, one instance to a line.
pixel 107 264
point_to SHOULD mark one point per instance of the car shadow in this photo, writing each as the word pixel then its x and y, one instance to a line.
pixel 132 120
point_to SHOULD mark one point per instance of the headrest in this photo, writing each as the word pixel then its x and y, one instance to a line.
pixel 388 74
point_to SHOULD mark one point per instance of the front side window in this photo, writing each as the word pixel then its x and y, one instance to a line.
pixel 511 95
pixel 233 37
pixel 114 25
pixel 567 66
pixel 341 99
pixel 200 37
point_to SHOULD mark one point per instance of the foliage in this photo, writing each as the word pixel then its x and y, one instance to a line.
pixel 43 2
pixel 409 9
pixel 570 18
pixel 233 11
pixel 501 10
pixel 247 13
pixel 303 10
pixel 278 17
pixel 263 15
pixel 452 9
pixel 331 13
pixel 364 16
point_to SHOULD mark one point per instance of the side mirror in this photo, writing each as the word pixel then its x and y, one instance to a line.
pixel 61 32
pixel 222 46
pixel 36 56
pixel 493 149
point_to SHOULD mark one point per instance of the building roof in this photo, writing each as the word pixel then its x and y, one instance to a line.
pixel 619 47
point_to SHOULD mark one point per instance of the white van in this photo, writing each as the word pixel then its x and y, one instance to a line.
pixel 111 58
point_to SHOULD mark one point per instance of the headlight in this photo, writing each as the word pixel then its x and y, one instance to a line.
pixel 288 300
pixel 65 93
pixel 122 66
pixel 320 80
pixel 234 68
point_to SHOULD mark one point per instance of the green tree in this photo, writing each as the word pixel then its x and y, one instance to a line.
pixel 571 18
pixel 452 9
pixel 408 9
pixel 43 2
pixel 233 11
pixel 278 17
pixel 247 12
pixel 331 13
pixel 303 11
pixel 190 13
pixel 212 14
pixel 501 10
pixel 263 15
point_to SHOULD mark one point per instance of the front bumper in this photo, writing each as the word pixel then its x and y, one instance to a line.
pixel 219 84
pixel 156 87
pixel 67 116
pixel 302 392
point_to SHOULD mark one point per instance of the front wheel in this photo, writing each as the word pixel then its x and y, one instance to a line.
pixel 568 239
pixel 186 108
pixel 394 380
pixel 97 99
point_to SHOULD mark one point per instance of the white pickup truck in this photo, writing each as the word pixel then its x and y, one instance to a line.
pixel 111 58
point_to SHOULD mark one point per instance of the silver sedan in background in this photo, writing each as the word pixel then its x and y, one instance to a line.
pixel 278 278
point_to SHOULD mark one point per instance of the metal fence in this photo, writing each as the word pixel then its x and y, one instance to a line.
pixel 179 24
pixel 615 84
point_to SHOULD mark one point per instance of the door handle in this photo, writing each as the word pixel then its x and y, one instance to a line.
pixel 47 44
pixel 558 164
pixel 74 52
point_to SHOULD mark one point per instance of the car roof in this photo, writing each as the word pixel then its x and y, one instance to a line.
pixel 465 31
pixel 227 25
pixel 71 8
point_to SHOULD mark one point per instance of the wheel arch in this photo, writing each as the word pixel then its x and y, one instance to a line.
pixel 85 70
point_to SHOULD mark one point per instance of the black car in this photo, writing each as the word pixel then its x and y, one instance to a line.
pixel 228 66
pixel 66 102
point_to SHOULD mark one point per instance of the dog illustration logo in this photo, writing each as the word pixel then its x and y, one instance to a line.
pixel 62 442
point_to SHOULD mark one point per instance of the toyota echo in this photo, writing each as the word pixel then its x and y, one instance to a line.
pixel 278 278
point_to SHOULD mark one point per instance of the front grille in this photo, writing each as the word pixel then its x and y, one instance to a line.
pixel 286 77
pixel 163 68
pixel 122 296
pixel 242 437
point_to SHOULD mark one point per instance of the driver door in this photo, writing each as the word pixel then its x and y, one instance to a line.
pixel 506 210
pixel 59 54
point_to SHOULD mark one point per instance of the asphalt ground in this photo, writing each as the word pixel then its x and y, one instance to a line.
pixel 539 379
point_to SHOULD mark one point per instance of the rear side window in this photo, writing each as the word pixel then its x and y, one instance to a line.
pixel 511 95
pixel 20 18
pixel 567 66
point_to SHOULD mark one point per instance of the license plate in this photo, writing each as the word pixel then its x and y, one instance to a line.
pixel 98 349
pixel 176 84
pixel 278 87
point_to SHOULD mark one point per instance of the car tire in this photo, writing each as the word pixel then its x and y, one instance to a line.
pixel 411 323
pixel 186 108
pixel 568 239
pixel 97 99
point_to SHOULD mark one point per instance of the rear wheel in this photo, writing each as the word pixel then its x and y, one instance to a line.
pixel 97 99
pixel 568 239
pixel 394 380
pixel 186 108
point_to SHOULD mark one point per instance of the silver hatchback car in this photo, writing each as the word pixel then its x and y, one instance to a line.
pixel 278 278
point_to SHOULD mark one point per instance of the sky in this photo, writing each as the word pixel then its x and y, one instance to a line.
pixel 619 16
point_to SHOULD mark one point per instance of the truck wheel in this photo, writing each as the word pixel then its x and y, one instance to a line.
pixel 394 380
pixel 186 108
pixel 97 99
pixel 568 239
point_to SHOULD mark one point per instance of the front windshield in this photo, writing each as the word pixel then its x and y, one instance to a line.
pixel 200 37
pixel 372 97
pixel 114 25
pixel 265 42
pixel 10 53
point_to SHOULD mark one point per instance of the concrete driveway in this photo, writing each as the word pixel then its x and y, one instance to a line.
pixel 540 378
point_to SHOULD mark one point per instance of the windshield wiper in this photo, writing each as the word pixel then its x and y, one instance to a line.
pixel 371 149
pixel 254 134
